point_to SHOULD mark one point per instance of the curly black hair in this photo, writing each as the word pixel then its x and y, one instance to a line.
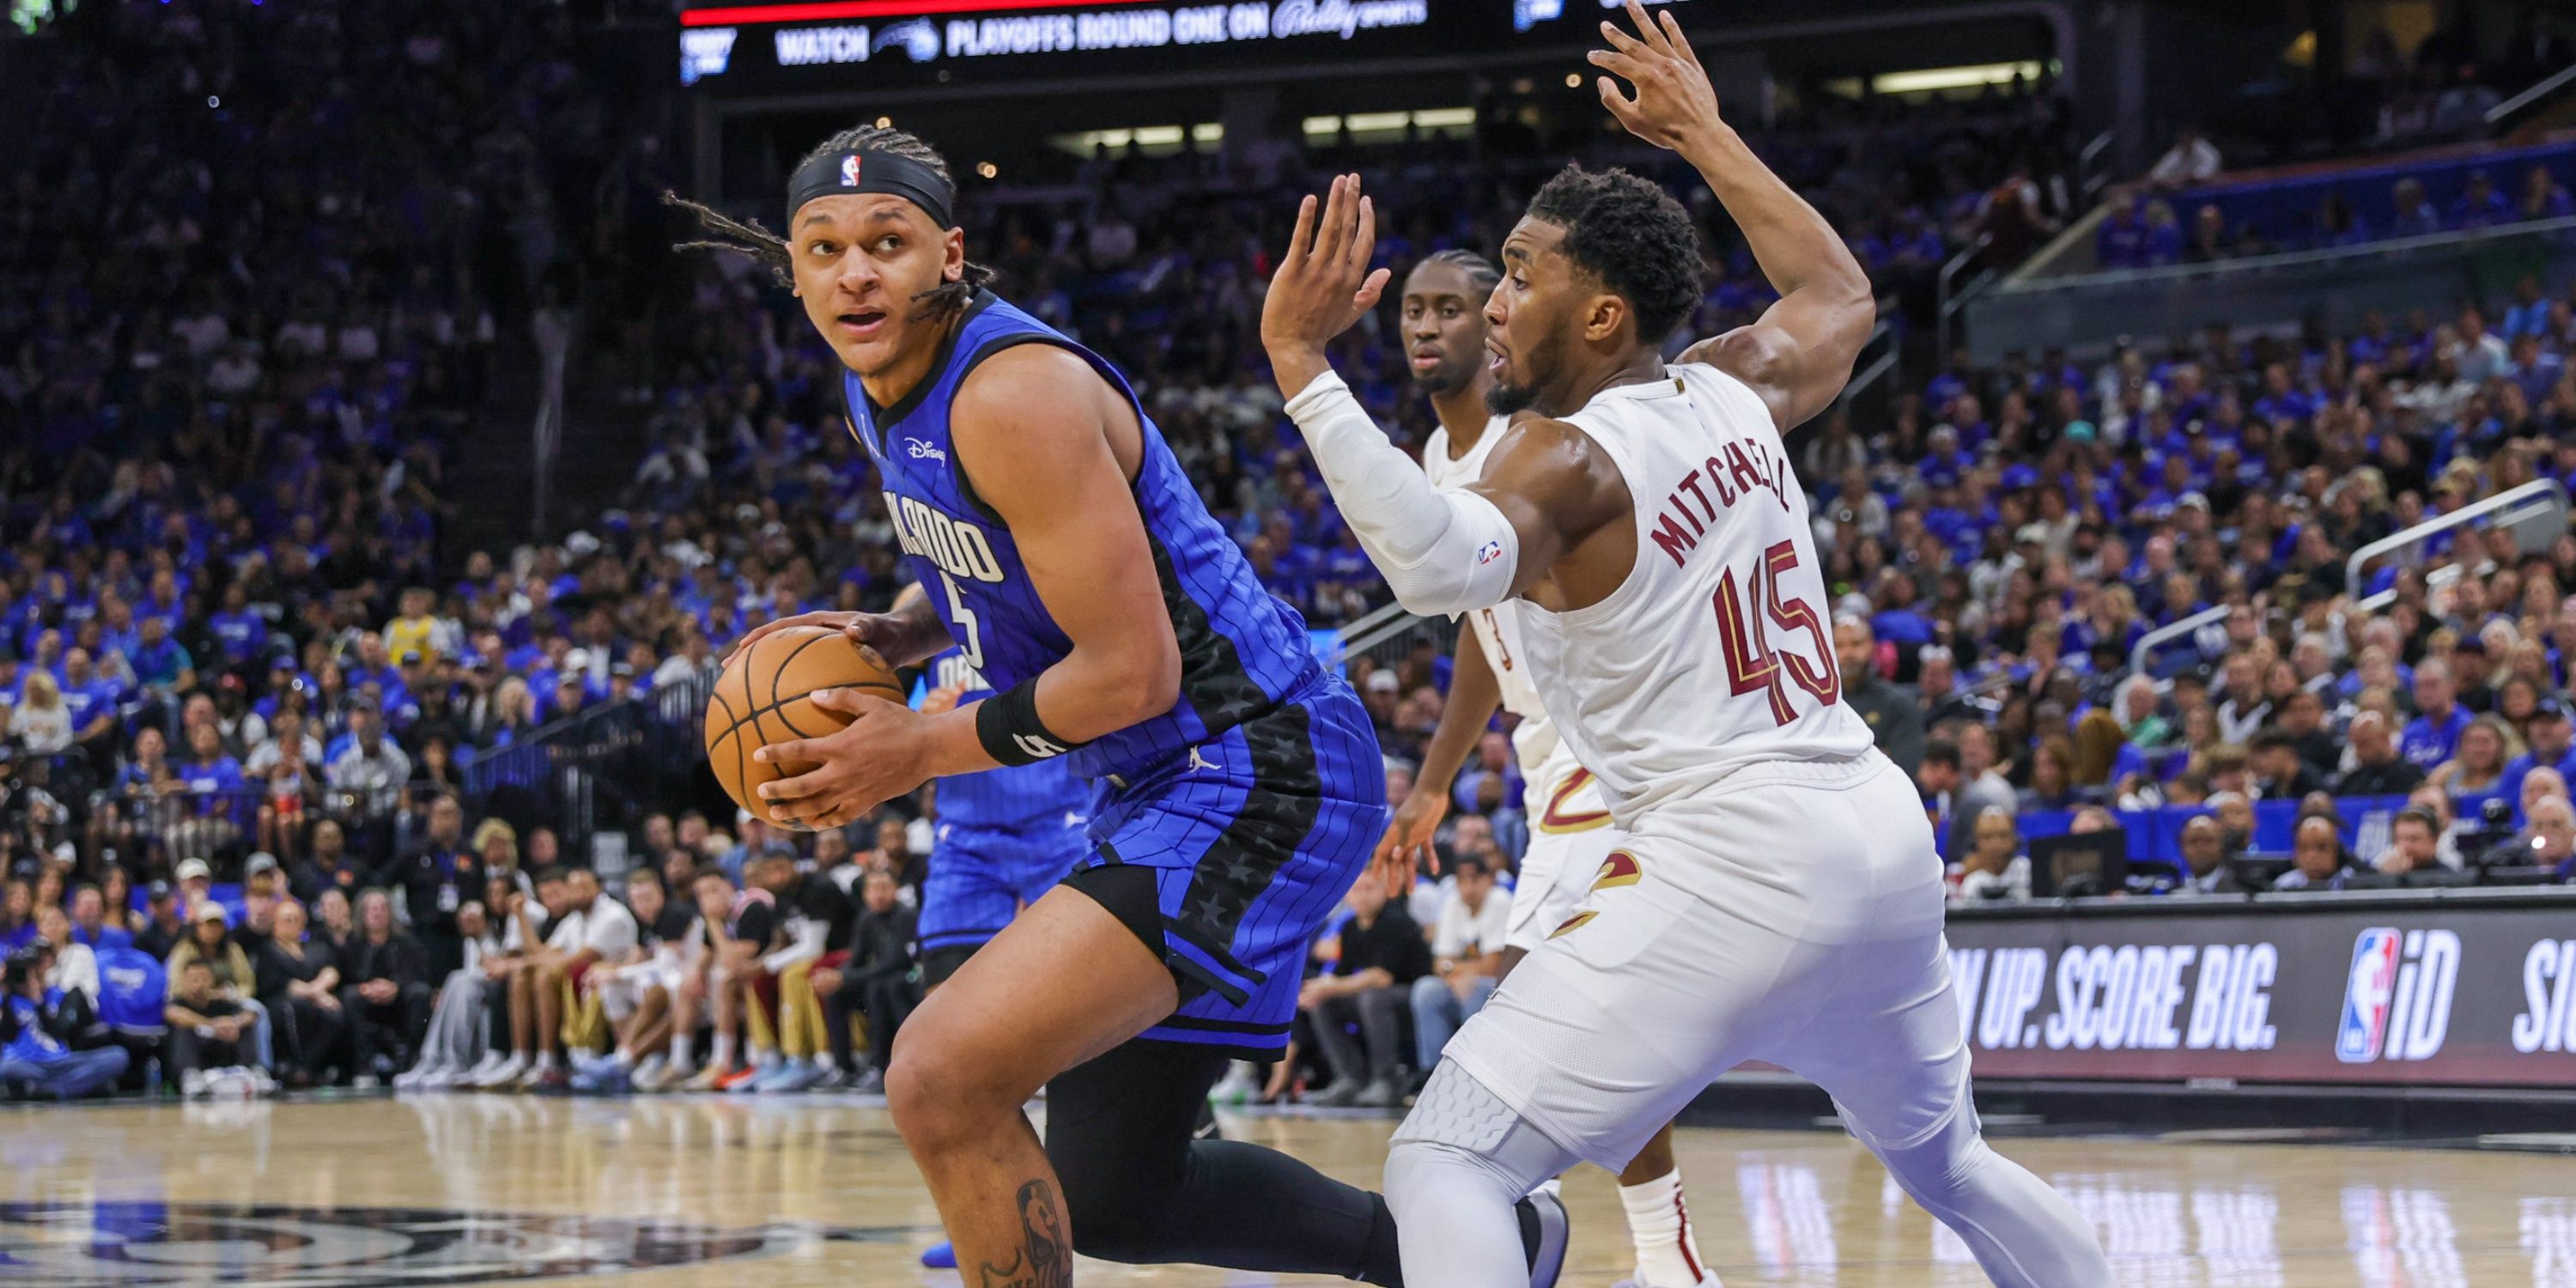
pixel 747 237
pixel 1629 233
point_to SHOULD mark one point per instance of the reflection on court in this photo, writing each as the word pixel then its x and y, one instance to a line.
pixel 817 1191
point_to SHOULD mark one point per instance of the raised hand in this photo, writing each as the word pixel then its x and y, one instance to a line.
pixel 1324 283
pixel 1673 103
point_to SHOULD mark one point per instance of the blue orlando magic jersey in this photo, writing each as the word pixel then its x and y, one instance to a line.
pixel 1242 652
pixel 1027 798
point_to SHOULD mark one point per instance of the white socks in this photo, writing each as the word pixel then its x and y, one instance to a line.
pixel 1659 1222
pixel 680 1058
pixel 722 1056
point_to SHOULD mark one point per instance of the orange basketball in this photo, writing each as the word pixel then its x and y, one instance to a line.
pixel 765 696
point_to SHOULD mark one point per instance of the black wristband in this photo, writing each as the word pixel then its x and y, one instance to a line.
pixel 1007 724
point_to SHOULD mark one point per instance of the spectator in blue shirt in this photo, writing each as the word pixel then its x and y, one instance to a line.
pixel 240 632
pixel 2543 197
pixel 2433 736
pixel 2480 205
pixel 161 664
pixel 2415 215
pixel 90 923
pixel 36 1027
pixel 2122 240
pixel 90 697
pixel 2551 736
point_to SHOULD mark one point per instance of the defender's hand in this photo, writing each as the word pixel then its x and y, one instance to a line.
pixel 895 640
pixel 1673 104
pixel 1324 283
pixel 878 757
pixel 1408 838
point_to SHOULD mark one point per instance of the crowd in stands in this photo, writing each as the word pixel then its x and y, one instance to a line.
pixel 237 642
pixel 2145 228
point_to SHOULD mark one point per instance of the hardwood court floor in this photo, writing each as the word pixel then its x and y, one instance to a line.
pixel 817 1191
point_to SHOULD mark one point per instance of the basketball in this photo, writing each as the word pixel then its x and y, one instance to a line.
pixel 765 695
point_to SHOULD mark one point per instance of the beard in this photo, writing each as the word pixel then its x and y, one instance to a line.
pixel 1510 400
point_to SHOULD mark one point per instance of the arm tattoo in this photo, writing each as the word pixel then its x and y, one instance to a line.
pixel 1045 1257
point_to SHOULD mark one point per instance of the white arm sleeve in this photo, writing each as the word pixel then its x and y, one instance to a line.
pixel 1442 552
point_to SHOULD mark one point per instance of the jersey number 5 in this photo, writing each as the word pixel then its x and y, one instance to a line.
pixel 973 645
pixel 1752 664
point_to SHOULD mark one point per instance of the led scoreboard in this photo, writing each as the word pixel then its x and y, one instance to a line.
pixel 835 45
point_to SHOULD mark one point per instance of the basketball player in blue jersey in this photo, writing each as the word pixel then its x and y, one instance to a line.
pixel 1239 786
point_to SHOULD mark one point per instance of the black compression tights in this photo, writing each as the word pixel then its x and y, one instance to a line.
pixel 1138 1189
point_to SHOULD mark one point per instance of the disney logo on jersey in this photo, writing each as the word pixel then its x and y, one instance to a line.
pixel 959 548
pixel 2397 995
pixel 921 451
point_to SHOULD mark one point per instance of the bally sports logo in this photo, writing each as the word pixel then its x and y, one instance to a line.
pixel 2397 996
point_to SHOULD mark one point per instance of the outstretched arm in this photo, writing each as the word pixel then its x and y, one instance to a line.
pixel 1546 486
pixel 1799 355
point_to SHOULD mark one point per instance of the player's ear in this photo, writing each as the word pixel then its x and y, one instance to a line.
pixel 953 254
pixel 1602 317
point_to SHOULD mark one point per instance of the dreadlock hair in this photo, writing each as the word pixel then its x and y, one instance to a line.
pixel 748 237
pixel 1631 235
pixel 1480 271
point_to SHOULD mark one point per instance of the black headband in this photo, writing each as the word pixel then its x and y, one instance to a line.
pixel 867 170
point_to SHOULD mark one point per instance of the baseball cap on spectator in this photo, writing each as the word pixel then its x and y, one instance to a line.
pixel 1383 681
pixel 2032 534
pixel 624 670
pixel 263 861
pixel 410 657
pixel 2017 477
pixel 158 891
pixel 193 870
pixel 2470 644
pixel 2549 709
pixel 211 911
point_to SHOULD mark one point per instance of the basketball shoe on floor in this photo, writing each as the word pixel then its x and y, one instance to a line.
pixel 941 1256
pixel 708 1079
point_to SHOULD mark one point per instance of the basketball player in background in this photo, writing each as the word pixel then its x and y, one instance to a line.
pixel 1442 314
pixel 1068 556
pixel 1777 896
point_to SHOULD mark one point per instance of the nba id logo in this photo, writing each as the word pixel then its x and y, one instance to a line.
pixel 2397 995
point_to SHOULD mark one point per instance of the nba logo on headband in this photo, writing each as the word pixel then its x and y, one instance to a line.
pixel 850 171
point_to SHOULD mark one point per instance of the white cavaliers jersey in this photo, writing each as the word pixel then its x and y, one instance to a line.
pixel 1716 652
pixel 1558 794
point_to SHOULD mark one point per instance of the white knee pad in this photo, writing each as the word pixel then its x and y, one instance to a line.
pixel 1458 1122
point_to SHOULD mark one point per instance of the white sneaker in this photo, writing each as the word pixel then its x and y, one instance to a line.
pixel 487 1066
pixel 416 1077
pixel 505 1074
pixel 261 1084
pixel 646 1069
pixel 192 1084
pixel 1238 1085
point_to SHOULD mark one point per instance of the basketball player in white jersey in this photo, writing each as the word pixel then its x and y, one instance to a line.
pixel 1570 830
pixel 1777 897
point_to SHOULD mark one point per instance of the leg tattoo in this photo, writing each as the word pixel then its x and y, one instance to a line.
pixel 1045 1257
